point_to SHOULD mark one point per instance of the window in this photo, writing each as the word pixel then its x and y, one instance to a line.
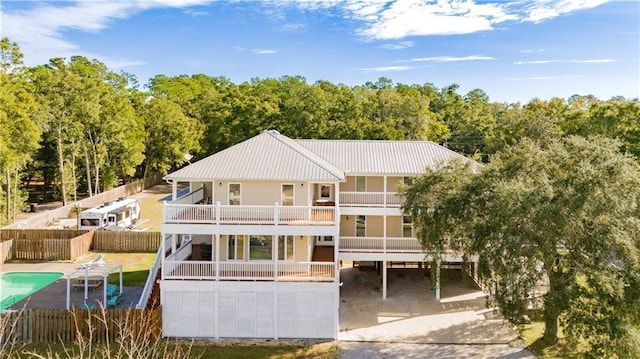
pixel 260 248
pixel 235 247
pixel 361 184
pixel 408 181
pixel 361 226
pixel 285 248
pixel 407 227
pixel 234 194
pixel 287 195
pixel 325 191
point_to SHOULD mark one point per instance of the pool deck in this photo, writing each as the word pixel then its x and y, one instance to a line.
pixel 54 296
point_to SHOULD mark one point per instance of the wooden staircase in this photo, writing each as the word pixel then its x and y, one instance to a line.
pixel 322 254
pixel 154 298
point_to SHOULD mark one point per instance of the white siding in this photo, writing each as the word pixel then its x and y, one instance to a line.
pixel 249 310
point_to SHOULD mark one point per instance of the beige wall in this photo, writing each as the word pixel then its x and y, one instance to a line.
pixel 375 184
pixel 394 226
pixel 375 226
pixel 263 193
pixel 348 226
pixel 350 185
pixel 301 248
pixel 393 182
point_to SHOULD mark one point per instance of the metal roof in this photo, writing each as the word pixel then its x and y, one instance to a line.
pixel 268 156
pixel 272 156
pixel 382 157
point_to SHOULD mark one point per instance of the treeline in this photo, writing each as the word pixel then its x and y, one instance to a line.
pixel 83 128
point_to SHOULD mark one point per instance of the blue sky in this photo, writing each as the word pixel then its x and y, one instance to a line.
pixel 513 50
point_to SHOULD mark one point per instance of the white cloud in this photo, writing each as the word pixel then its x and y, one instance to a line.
pixel 590 61
pixel 398 45
pixel 385 69
pixel 531 51
pixel 397 19
pixel 543 78
pixel 264 51
pixel 39 30
pixel 450 58
pixel 540 10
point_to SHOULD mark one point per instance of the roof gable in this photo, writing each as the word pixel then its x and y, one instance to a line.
pixel 268 156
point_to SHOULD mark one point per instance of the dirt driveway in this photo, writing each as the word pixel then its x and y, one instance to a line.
pixel 410 317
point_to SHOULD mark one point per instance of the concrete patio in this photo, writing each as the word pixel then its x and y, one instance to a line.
pixel 54 296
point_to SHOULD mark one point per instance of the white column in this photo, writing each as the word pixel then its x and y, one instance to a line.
pixel 217 255
pixel 336 237
pixel 174 190
pixel 437 279
pixel 68 293
pixel 384 279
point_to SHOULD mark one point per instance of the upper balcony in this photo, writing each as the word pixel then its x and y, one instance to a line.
pixel 371 199
pixel 191 209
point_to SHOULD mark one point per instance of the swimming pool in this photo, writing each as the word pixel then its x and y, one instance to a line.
pixel 15 286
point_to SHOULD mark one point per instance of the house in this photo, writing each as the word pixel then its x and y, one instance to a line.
pixel 254 234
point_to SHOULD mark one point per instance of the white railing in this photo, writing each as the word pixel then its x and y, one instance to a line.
pixel 148 286
pixel 371 199
pixel 188 213
pixel 395 199
pixel 281 271
pixel 307 271
pixel 403 245
pixel 217 214
pixel 247 214
pixel 377 244
pixel 189 270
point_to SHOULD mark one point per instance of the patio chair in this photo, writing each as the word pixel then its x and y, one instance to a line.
pixel 113 301
pixel 86 306
pixel 111 290
pixel 97 261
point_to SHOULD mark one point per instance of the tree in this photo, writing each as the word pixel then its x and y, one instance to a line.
pixel 567 212
pixel 170 135
pixel 19 133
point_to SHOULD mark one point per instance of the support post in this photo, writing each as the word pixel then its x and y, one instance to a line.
pixel 384 279
pixel 437 292
pixel 68 293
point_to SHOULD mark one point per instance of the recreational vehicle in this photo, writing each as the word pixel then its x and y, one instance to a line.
pixel 116 215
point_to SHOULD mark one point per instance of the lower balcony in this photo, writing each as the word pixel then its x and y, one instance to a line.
pixel 380 245
pixel 247 271
pixel 179 265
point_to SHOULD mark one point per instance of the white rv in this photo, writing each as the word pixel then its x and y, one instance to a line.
pixel 117 215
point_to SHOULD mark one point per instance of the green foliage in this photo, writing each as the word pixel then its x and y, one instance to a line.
pixel 565 211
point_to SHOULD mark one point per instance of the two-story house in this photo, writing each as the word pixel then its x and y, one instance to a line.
pixel 254 234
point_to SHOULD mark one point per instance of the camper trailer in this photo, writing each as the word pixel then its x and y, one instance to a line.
pixel 114 216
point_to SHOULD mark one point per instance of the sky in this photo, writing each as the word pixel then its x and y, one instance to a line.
pixel 513 50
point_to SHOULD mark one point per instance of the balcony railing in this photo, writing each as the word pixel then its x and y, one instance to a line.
pixel 380 245
pixel 219 214
pixel 371 199
pixel 257 271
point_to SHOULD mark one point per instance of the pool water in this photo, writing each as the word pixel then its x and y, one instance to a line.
pixel 15 286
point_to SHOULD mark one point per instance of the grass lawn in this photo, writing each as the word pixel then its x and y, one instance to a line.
pixel 532 336
pixel 211 350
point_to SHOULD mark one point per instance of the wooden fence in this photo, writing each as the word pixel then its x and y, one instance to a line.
pixel 6 251
pixel 97 326
pixel 6 234
pixel 126 241
pixel 52 244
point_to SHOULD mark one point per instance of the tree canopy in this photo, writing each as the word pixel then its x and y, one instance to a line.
pixel 563 212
